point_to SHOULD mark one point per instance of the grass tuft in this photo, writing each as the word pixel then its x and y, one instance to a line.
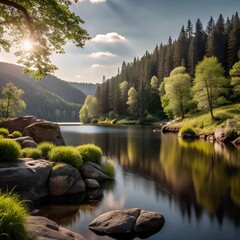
pixel 66 154
pixel 17 134
pixel 108 168
pixel 31 153
pixel 13 215
pixel 90 152
pixel 45 148
pixel 9 150
pixel 4 132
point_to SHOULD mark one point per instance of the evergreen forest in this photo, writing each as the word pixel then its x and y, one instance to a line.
pixel 137 83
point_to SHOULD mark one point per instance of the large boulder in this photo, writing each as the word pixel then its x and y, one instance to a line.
pixel 19 123
pixel 131 221
pixel 90 170
pixel 41 228
pixel 27 177
pixel 225 135
pixel 44 131
pixel 64 180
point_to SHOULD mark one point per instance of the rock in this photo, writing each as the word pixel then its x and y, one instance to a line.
pixel 20 140
pixel 65 179
pixel 44 131
pixel 148 222
pixel 41 228
pixel 91 183
pixel 27 177
pixel 19 123
pixel 29 143
pixel 225 135
pixel 115 221
pixel 131 221
pixel 210 138
pixel 91 170
pixel 230 123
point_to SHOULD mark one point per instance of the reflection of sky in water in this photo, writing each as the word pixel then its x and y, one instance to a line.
pixel 164 175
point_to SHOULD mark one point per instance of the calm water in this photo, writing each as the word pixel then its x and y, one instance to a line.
pixel 195 185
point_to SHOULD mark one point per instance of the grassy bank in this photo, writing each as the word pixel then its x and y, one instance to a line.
pixel 205 124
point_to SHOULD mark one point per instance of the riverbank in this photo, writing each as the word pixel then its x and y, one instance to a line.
pixel 204 124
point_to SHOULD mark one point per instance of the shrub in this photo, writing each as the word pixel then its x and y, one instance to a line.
pixel 186 129
pixel 45 148
pixel 30 152
pixel 17 134
pixel 108 168
pixel 9 150
pixel 4 132
pixel 13 216
pixel 90 152
pixel 66 154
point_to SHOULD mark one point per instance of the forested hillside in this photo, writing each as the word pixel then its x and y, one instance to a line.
pixel 86 88
pixel 143 76
pixel 51 98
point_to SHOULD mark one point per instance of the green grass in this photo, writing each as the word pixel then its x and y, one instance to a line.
pixel 9 150
pixel 45 148
pixel 187 129
pixel 4 132
pixel 90 152
pixel 66 154
pixel 13 215
pixel 203 122
pixel 17 134
pixel 31 153
pixel 108 168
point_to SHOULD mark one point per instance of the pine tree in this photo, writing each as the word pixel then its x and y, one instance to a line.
pixel 168 64
pixel 234 42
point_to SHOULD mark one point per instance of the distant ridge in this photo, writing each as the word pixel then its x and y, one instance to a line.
pixel 51 98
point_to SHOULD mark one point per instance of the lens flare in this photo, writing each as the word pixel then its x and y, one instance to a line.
pixel 27 45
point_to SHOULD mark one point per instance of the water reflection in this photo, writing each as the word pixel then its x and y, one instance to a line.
pixel 192 179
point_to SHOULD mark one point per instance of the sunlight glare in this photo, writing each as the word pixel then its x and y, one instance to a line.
pixel 27 45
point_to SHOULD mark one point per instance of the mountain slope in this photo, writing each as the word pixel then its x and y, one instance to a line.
pixel 86 88
pixel 51 98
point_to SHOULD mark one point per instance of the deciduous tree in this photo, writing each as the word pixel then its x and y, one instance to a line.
pixel 43 26
pixel 177 92
pixel 11 102
pixel 209 84
pixel 235 77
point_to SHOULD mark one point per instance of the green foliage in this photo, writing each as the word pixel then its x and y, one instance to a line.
pixel 17 134
pixel 11 102
pixel 4 132
pixel 177 92
pixel 108 168
pixel 187 129
pixel 45 148
pixel 31 153
pixel 66 154
pixel 133 102
pixel 48 25
pixel 13 215
pixel 9 150
pixel 235 77
pixel 88 110
pixel 90 152
pixel 210 85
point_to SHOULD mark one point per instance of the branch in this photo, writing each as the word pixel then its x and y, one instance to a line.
pixel 23 10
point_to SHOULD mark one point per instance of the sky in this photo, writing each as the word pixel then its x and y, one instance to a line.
pixel 124 29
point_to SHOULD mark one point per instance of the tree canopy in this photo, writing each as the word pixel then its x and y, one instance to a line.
pixel 209 84
pixel 11 101
pixel 177 92
pixel 37 29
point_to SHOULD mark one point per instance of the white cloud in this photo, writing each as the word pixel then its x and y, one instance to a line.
pixel 109 38
pixel 79 76
pixel 97 66
pixel 102 54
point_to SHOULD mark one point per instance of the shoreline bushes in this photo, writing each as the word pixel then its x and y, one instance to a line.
pixel 90 152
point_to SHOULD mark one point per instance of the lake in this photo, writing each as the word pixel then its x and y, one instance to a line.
pixel 194 184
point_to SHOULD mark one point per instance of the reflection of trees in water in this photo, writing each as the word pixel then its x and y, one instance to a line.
pixel 200 176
